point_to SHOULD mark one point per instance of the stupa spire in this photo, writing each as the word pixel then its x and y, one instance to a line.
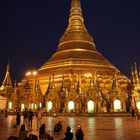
pixel 7 80
pixel 76 31
pixel 132 75
pixel 76 21
pixel 136 73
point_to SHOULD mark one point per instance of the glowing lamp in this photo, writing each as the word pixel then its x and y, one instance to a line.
pixel 34 73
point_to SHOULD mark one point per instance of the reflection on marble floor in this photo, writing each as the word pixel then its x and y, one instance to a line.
pixel 95 128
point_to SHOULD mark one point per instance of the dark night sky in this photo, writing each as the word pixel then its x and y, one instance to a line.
pixel 30 31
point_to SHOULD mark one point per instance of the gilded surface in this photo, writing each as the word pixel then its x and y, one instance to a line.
pixel 78 72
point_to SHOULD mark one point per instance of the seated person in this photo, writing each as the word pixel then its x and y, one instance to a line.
pixel 33 137
pixel 23 134
pixel 58 127
pixel 42 131
pixel 79 133
pixel 68 134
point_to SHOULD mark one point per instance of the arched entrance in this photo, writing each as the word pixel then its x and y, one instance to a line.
pixel 71 106
pixel 31 106
pixel 90 106
pixel 117 105
pixel 22 107
pixel 138 103
pixel 10 105
pixel 49 106
pixel 40 105
pixel 35 106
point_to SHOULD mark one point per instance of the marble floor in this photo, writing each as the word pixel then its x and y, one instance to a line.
pixel 95 128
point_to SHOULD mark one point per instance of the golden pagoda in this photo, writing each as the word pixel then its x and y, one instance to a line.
pixel 78 78
pixel 6 89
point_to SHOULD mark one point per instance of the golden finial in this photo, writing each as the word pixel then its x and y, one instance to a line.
pixel 8 66
pixel 136 72
pixel 76 21
pixel 76 30
pixel 132 75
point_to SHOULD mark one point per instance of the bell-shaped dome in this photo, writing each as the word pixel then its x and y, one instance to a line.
pixel 76 51
pixel 76 43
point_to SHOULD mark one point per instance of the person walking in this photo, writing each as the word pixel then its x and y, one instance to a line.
pixel 39 117
pixel 6 113
pixel 133 113
pixel 137 113
pixel 30 118
pixel 18 117
pixel 25 115
pixel 17 121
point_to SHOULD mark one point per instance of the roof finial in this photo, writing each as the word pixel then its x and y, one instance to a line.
pixel 132 75
pixel 76 30
pixel 136 73
pixel 76 21
pixel 8 65
pixel 7 80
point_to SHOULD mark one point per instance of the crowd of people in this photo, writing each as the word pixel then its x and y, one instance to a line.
pixel 79 134
pixel 25 129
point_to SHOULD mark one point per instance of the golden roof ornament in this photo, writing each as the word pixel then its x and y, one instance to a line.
pixel 136 73
pixel 76 30
pixel 132 75
pixel 76 21
pixel 7 80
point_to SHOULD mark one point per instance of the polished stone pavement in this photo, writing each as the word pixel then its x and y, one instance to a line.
pixel 95 128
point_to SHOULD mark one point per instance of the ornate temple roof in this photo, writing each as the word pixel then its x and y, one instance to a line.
pixel 76 31
pixel 6 87
pixel 7 80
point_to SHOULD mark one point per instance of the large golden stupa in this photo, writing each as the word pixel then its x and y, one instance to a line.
pixel 77 77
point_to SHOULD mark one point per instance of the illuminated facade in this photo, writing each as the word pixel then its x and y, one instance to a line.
pixel 135 80
pixel 77 78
